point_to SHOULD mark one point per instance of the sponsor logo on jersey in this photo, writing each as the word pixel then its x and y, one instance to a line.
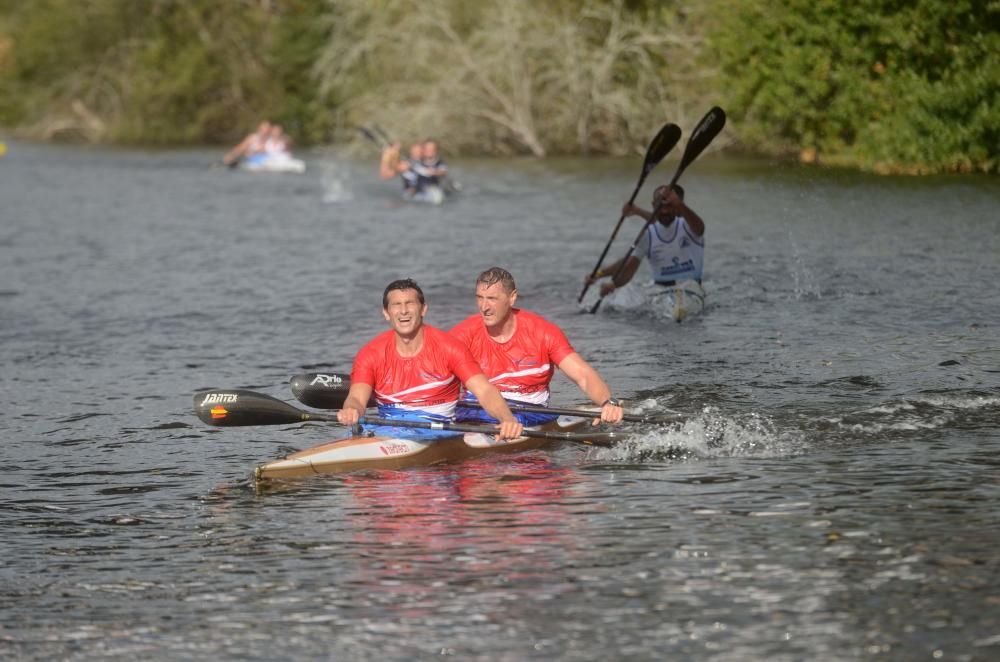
pixel 678 267
pixel 429 376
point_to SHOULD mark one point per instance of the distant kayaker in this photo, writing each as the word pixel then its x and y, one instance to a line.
pixel 407 169
pixel 252 144
pixel 519 352
pixel 434 169
pixel 277 142
pixel 416 371
pixel 674 244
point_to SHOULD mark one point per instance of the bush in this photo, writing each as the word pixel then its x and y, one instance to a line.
pixel 159 71
pixel 887 85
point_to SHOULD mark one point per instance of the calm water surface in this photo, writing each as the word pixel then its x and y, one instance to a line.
pixel 833 495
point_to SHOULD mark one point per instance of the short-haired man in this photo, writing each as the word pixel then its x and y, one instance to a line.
pixel 416 370
pixel 519 351
pixel 434 168
pixel 674 244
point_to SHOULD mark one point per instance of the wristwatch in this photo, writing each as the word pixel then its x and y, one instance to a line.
pixel 614 402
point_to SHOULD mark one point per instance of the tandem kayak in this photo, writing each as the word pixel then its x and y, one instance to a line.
pixel 379 443
pixel 360 452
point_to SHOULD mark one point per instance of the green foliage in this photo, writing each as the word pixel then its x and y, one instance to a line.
pixel 58 50
pixel 887 85
pixel 159 71
pixel 300 34
pixel 195 71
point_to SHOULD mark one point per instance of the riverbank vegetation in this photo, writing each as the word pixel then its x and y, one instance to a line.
pixel 160 71
pixel 875 84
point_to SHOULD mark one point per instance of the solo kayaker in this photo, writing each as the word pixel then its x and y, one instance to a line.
pixel 519 352
pixel 416 370
pixel 674 244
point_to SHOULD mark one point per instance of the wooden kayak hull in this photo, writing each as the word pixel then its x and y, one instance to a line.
pixel 392 453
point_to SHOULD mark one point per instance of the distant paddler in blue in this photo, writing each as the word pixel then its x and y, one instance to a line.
pixel 253 144
pixel 265 150
pixel 393 165
pixel 674 244
pixel 433 169
pixel 421 172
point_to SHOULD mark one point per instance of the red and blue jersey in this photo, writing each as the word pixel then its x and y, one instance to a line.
pixel 423 386
pixel 522 367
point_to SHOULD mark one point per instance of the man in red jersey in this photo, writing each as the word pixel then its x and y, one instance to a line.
pixel 416 370
pixel 519 351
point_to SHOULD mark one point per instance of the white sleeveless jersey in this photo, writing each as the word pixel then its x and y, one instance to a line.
pixel 276 146
pixel 675 253
pixel 256 145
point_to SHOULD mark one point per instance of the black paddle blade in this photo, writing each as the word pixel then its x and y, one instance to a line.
pixel 234 407
pixel 706 131
pixel 382 134
pixel 370 136
pixel 662 143
pixel 323 390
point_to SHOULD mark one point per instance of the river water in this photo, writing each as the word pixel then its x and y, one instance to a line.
pixel 832 495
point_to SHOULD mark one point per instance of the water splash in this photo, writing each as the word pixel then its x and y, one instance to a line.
pixel 645 299
pixel 925 411
pixel 708 434
pixel 337 184
pixel 804 283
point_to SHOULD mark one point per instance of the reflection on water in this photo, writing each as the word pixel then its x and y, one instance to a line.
pixel 830 492
pixel 487 523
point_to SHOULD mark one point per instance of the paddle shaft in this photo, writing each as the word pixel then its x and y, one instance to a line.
pixel 661 144
pixel 238 407
pixel 329 390
pixel 485 429
pixel 381 144
pixel 376 135
pixel 582 413
pixel 385 137
pixel 631 250
pixel 607 246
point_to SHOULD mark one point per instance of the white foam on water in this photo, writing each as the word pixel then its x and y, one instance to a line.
pixel 914 413
pixel 337 184
pixel 958 400
pixel 708 434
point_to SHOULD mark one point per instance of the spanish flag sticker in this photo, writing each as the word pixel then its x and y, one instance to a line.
pixel 219 412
